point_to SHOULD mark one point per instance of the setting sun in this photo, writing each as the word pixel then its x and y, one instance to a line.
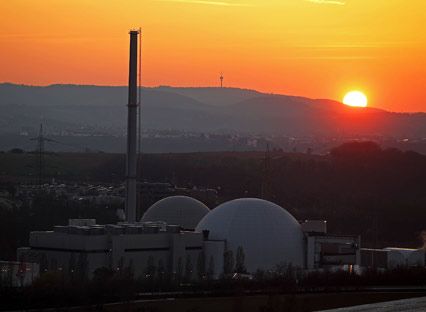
pixel 355 98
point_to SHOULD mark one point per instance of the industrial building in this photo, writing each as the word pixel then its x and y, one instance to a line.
pixel 83 246
pixel 266 234
pixel 392 258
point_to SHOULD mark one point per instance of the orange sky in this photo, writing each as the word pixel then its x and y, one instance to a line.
pixel 314 48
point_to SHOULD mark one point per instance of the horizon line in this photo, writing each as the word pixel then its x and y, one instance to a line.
pixel 201 87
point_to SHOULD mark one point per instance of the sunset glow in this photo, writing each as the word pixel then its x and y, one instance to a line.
pixel 281 46
pixel 355 99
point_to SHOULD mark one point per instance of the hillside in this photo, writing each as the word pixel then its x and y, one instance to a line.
pixel 97 109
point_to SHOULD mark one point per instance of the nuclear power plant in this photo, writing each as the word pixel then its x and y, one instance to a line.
pixel 178 233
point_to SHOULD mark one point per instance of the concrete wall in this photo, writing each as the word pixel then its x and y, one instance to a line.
pixel 391 258
pixel 402 257
pixel 331 250
pixel 74 253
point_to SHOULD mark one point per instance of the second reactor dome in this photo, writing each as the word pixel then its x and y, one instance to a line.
pixel 179 210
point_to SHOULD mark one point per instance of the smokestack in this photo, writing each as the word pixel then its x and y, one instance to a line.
pixel 131 130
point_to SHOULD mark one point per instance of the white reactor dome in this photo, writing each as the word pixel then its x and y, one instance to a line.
pixel 178 210
pixel 268 234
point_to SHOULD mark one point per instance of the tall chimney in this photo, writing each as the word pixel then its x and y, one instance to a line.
pixel 131 131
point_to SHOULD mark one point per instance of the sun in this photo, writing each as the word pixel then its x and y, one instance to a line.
pixel 355 98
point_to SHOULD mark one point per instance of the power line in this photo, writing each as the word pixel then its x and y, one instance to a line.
pixel 41 140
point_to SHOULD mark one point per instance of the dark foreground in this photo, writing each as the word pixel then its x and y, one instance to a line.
pixel 249 303
pixel 412 305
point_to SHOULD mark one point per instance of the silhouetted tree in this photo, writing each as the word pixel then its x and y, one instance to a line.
pixel 161 271
pixel 201 265
pixel 82 266
pixel 102 275
pixel 228 262
pixel 130 270
pixel 150 268
pixel 179 270
pixel 239 261
pixel 16 151
pixel 44 263
pixel 210 269
pixel 188 268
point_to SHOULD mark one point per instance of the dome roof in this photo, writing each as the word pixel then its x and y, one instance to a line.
pixel 179 210
pixel 268 234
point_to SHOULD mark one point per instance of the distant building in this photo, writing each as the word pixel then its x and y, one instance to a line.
pixel 392 258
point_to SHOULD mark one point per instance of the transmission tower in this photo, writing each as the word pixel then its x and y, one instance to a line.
pixel 41 140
